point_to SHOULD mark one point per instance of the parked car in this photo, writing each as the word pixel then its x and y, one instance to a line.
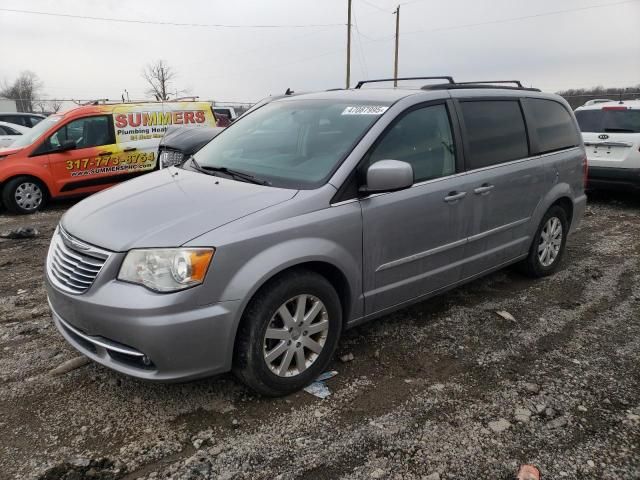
pixel 611 132
pixel 88 149
pixel 179 143
pixel 313 214
pixel 10 132
pixel 23 119
pixel 228 112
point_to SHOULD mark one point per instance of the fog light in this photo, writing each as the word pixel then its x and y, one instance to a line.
pixel 146 361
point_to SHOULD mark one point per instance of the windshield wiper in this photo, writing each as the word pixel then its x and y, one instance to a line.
pixel 237 174
pixel 196 166
pixel 623 130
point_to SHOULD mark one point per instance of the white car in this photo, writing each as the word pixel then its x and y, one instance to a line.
pixel 611 133
pixel 9 132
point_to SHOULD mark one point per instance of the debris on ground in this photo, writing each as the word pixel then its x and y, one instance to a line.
pixel 347 358
pixel 499 426
pixel 20 233
pixel 70 365
pixel 82 468
pixel 319 388
pixel 506 315
pixel 528 472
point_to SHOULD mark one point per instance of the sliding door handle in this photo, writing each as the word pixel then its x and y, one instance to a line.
pixel 454 196
pixel 484 189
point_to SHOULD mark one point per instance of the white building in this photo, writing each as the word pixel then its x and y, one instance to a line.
pixel 7 105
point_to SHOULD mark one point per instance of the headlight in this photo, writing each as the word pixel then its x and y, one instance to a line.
pixel 166 269
pixel 169 158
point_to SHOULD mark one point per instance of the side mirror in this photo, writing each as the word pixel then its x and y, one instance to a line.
pixel 388 176
pixel 67 145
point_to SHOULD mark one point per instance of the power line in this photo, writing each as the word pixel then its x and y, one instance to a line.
pixel 360 49
pixel 502 20
pixel 172 24
pixel 525 17
pixel 380 9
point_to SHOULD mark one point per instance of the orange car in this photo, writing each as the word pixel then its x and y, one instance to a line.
pixel 88 149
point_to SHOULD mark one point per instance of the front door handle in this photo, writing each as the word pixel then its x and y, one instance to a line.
pixel 484 189
pixel 104 154
pixel 130 149
pixel 454 196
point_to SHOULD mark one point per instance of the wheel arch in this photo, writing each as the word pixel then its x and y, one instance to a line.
pixel 566 204
pixel 332 273
pixel 42 182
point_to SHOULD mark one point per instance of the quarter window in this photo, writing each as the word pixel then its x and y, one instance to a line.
pixel 496 132
pixel 4 130
pixel 423 139
pixel 553 124
pixel 85 132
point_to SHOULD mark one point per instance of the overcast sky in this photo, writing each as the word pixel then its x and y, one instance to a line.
pixel 469 39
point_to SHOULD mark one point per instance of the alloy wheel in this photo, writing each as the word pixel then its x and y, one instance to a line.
pixel 296 335
pixel 550 241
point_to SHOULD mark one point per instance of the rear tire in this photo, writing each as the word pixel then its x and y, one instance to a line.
pixel 24 195
pixel 548 246
pixel 288 334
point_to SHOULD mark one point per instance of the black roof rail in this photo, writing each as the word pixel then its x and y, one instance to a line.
pixel 467 85
pixel 362 82
pixel 517 82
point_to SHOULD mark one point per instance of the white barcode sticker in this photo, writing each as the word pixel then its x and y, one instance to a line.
pixel 365 110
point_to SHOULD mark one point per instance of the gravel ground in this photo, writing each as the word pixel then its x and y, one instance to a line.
pixel 446 389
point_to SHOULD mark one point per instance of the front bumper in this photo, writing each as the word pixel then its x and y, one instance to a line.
pixel 152 342
pixel 624 178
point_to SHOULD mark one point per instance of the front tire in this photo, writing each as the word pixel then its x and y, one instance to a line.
pixel 548 246
pixel 288 334
pixel 24 195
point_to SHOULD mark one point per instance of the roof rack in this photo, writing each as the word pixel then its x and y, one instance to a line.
pixel 452 84
pixel 517 82
pixel 362 82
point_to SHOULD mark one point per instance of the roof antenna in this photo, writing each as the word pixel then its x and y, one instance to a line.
pixel 289 92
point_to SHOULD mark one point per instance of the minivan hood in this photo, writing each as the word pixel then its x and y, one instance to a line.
pixel 166 209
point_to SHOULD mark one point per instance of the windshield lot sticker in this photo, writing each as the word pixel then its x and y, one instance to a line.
pixel 365 110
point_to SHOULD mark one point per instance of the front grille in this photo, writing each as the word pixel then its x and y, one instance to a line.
pixel 73 265
pixel 169 158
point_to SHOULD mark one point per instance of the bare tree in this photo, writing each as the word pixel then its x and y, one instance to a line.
pixel 24 90
pixel 48 106
pixel 159 76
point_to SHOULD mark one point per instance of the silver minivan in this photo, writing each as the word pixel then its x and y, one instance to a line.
pixel 311 215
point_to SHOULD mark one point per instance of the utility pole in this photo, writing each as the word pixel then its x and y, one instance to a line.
pixel 395 63
pixel 349 44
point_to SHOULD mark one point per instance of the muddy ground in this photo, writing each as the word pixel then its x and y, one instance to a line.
pixel 444 389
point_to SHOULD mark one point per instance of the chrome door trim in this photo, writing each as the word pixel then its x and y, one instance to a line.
pixel 448 246
pixel 501 228
pixel 421 255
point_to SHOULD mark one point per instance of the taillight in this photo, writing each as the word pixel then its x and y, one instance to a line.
pixel 614 108
pixel 585 172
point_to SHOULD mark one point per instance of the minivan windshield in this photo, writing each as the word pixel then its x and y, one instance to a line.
pixel 36 132
pixel 293 143
pixel 620 120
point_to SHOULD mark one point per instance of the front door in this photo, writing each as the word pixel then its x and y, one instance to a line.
pixel 93 160
pixel 413 239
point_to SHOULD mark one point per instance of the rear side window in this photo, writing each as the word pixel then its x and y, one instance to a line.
pixel 17 119
pixel 612 119
pixel 553 125
pixel 4 130
pixel 495 131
